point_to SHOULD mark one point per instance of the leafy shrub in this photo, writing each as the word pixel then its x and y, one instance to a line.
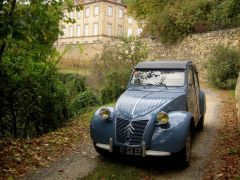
pixel 115 84
pixel 82 102
pixel 223 67
pixel 33 99
pixel 112 68
pixel 172 20
pixel 74 83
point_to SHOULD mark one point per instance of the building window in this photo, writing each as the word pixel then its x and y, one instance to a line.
pixel 87 12
pixel 120 13
pixel 120 30
pixel 130 20
pixel 78 30
pixel 109 29
pixel 72 15
pixel 109 11
pixel 79 14
pixel 95 29
pixel 86 30
pixel 70 31
pixel 129 32
pixel 96 11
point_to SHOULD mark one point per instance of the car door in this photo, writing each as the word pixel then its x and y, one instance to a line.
pixel 192 102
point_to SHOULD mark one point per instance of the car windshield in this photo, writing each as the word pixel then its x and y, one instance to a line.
pixel 166 78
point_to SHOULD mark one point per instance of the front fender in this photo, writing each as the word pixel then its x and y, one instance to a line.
pixel 102 130
pixel 172 138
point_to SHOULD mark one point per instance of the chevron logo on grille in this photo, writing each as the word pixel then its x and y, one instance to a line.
pixel 129 128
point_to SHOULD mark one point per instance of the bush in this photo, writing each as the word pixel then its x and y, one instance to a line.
pixel 82 102
pixel 223 67
pixel 112 69
pixel 172 20
pixel 74 83
pixel 115 84
pixel 33 99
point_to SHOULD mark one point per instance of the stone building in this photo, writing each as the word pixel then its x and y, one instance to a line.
pixel 98 22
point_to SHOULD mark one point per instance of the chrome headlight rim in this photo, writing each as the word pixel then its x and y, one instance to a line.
pixel 104 113
pixel 162 118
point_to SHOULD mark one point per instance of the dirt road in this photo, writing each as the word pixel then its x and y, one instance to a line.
pixel 80 163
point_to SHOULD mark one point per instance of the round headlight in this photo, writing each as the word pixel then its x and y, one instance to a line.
pixel 162 118
pixel 104 113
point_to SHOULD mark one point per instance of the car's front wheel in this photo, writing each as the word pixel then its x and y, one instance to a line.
pixel 184 156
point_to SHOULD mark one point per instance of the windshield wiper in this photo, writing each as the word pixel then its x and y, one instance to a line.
pixel 162 84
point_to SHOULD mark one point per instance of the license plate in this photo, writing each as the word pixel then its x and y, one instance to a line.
pixel 130 151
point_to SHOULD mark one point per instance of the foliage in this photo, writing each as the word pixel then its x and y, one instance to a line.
pixel 112 69
pixel 172 20
pixel 83 101
pixel 73 83
pixel 120 55
pixel 223 67
pixel 115 84
pixel 32 98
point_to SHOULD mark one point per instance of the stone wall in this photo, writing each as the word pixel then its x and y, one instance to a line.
pixel 196 47
pixel 78 55
pixel 237 92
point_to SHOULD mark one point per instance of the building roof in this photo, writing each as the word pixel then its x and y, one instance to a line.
pixel 163 64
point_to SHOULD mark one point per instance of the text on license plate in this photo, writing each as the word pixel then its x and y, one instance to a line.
pixel 130 151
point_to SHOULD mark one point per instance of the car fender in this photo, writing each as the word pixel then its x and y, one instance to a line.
pixel 172 137
pixel 102 130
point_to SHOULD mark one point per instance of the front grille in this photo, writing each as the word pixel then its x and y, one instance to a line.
pixel 130 132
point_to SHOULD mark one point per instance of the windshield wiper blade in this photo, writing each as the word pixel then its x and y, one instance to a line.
pixel 163 85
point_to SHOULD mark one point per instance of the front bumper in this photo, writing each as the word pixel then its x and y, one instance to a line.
pixel 109 147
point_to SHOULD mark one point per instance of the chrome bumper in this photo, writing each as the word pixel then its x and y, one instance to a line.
pixel 109 147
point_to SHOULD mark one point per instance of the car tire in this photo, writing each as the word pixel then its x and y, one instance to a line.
pixel 200 124
pixel 100 151
pixel 184 156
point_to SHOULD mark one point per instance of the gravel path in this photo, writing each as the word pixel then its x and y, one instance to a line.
pixel 79 163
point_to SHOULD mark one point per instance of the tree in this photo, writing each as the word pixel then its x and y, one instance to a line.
pixel 172 20
pixel 33 100
pixel 227 61
pixel 113 67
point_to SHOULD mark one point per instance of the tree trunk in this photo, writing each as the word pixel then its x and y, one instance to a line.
pixel 2 126
pixel 14 121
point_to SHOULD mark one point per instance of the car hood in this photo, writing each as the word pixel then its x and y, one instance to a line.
pixel 134 104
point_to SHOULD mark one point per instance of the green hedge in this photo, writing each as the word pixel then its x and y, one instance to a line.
pixel 223 67
pixel 82 102
pixel 115 84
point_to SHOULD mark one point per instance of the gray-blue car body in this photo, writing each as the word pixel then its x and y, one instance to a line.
pixel 132 126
